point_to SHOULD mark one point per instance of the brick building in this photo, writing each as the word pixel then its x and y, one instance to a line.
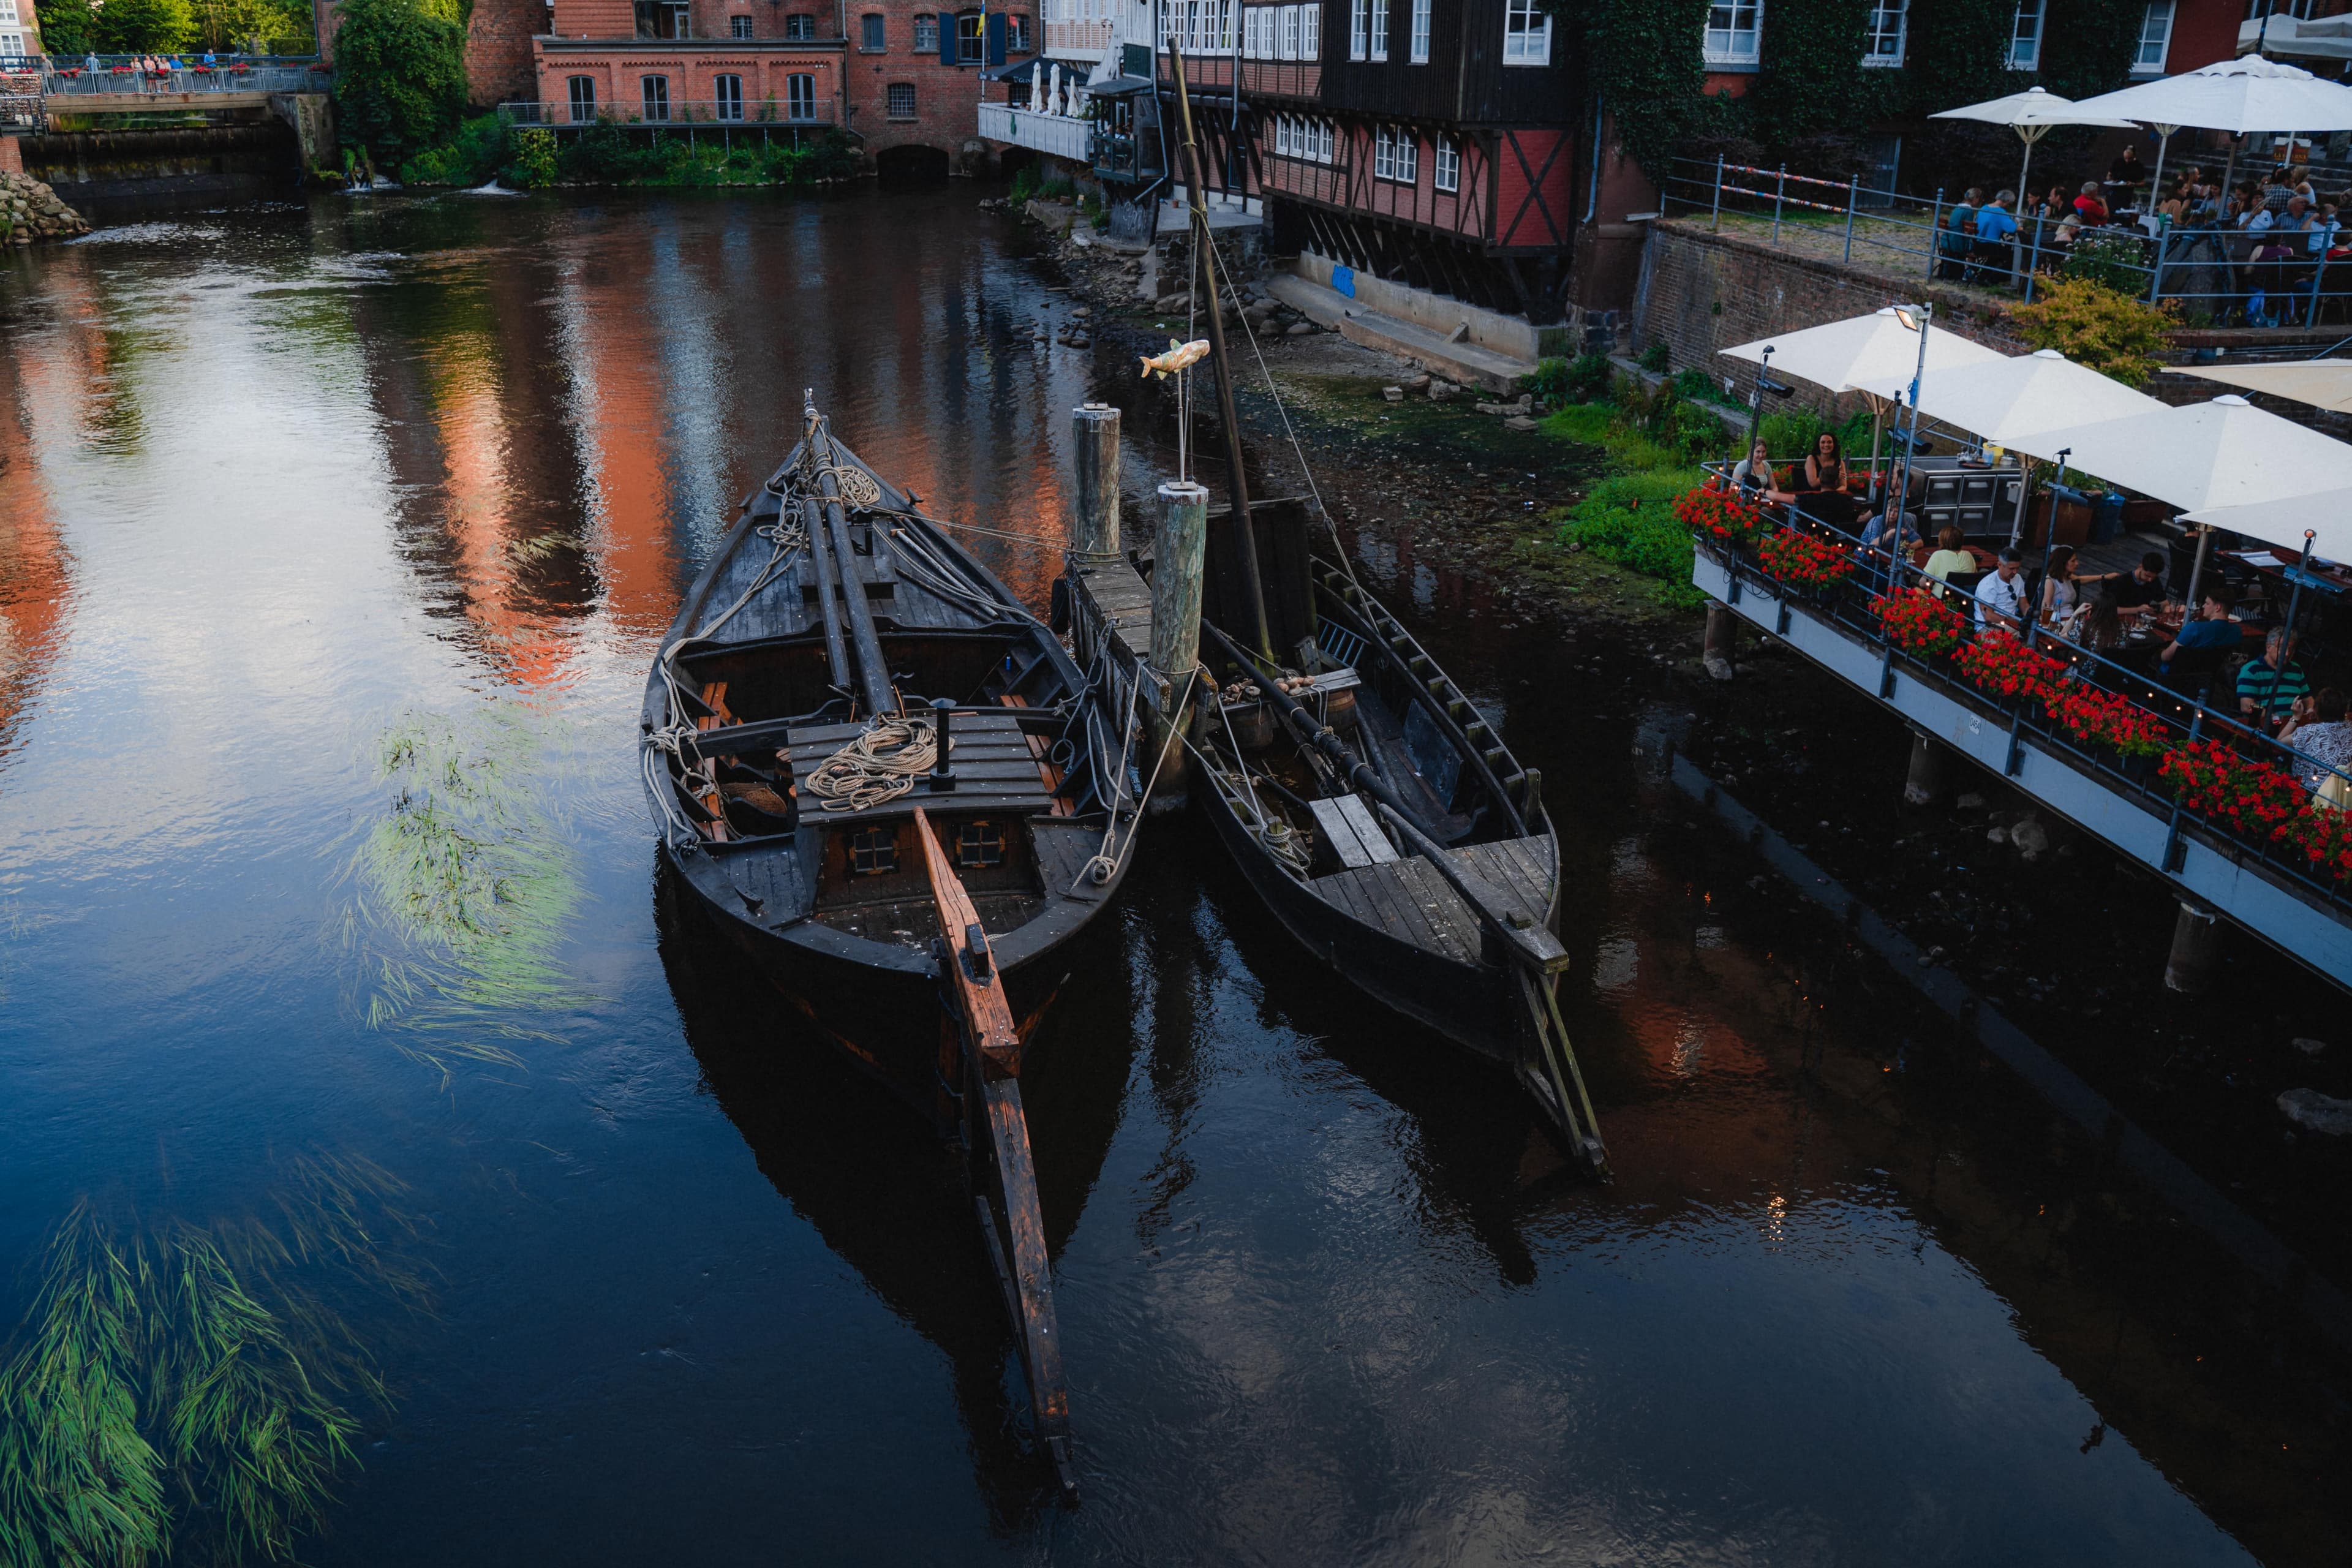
pixel 901 76
pixel 20 30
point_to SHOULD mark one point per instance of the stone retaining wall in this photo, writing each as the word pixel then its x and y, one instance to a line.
pixel 29 210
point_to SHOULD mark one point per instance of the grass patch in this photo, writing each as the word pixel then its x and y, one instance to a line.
pixel 1627 518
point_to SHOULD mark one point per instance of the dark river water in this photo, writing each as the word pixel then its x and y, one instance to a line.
pixel 340 996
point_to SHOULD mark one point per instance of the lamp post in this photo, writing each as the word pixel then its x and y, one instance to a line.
pixel 2302 570
pixel 1915 323
pixel 1755 403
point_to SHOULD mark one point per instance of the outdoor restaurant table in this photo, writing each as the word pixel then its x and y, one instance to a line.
pixel 2336 581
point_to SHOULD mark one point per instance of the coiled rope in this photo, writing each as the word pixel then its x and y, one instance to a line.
pixel 879 765
pixel 859 490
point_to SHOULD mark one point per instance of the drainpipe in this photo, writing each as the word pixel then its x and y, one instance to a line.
pixel 1592 193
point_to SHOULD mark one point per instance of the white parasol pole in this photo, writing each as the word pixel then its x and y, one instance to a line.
pixel 2156 188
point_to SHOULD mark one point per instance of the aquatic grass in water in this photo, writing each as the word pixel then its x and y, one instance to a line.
pixel 180 1391
pixel 473 878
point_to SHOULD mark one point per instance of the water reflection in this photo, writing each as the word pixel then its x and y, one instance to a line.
pixel 339 538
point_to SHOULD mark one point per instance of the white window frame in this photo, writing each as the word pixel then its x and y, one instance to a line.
pixel 1383 154
pixel 1408 158
pixel 1417 39
pixel 2155 33
pixel 1381 29
pixel 1310 32
pixel 1726 42
pixel 1445 164
pixel 800 97
pixel 1289 15
pixel 1359 27
pixel 727 103
pixel 1018 42
pixel 2025 34
pixel 1254 33
pixel 926 41
pixel 1886 33
pixel 740 27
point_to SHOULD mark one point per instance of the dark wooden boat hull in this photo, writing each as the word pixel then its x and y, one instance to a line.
pixel 878 1005
pixel 1476 1007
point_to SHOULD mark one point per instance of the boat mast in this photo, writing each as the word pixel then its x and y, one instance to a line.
pixel 1245 536
pixel 873 670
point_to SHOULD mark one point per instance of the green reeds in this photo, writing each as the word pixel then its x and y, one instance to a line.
pixel 466 888
pixel 183 1392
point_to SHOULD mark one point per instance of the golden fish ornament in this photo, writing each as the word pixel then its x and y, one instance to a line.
pixel 1177 357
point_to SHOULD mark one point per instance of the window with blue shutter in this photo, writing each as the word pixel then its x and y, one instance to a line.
pixel 948 43
pixel 996 37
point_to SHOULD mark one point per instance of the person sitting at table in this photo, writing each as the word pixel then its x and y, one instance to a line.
pixel 2089 207
pixel 1950 555
pixel 1891 535
pixel 1958 240
pixel 2271 688
pixel 2266 279
pixel 2056 598
pixel 1825 464
pixel 2100 627
pixel 2141 592
pixel 2177 203
pixel 2322 734
pixel 1754 478
pixel 2126 169
pixel 1996 227
pixel 2196 650
pixel 2000 595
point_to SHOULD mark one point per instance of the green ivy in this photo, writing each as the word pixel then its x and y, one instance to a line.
pixel 1811 78
pixel 1643 57
pixel 1959 53
pixel 2092 52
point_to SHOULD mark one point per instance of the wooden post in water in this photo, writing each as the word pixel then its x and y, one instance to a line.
pixel 1177 558
pixel 1094 500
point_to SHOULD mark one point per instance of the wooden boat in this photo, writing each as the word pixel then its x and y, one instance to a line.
pixel 1380 817
pixel 914 901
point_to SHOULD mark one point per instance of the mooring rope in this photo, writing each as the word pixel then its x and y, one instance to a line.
pixel 879 765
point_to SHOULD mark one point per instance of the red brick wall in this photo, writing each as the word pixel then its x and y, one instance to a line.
pixel 1535 185
pixel 498 50
pixel 619 70
pixel 947 98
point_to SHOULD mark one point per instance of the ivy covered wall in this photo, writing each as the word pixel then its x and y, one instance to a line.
pixel 1813 103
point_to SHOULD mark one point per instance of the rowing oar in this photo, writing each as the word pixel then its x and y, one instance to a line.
pixel 1007 1201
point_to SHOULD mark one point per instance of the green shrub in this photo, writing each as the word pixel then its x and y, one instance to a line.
pixel 1789 433
pixel 1058 189
pixel 1630 519
pixel 1656 358
pixel 1584 379
pixel 1686 430
pixel 470 157
pixel 1024 184
pixel 2111 262
pixel 535 161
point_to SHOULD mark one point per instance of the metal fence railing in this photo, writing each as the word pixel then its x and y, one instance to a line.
pixel 2205 271
pixel 2177 718
pixel 147 74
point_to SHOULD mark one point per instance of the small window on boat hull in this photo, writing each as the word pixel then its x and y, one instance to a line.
pixel 873 852
pixel 979 846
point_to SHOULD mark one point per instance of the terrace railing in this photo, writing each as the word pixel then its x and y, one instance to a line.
pixel 2165 720
pixel 2204 271
pixel 95 75
pixel 713 114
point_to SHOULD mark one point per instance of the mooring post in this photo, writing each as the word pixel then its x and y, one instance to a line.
pixel 1177 557
pixel 2196 951
pixel 1094 497
pixel 1931 771
pixel 1722 630
pixel 1715 217
pixel 1853 188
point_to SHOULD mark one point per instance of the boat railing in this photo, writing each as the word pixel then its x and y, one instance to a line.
pixel 2180 719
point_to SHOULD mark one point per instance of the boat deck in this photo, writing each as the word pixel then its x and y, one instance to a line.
pixel 1410 900
pixel 997 768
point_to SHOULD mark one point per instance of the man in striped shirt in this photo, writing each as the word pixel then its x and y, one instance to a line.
pixel 2270 686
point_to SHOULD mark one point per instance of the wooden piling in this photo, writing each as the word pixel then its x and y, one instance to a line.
pixel 1177 560
pixel 1094 495
pixel 1722 627
pixel 1931 778
pixel 2196 951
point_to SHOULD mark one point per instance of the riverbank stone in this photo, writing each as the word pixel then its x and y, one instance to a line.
pixel 30 211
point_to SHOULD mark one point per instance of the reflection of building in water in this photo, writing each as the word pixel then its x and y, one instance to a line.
pixel 35 570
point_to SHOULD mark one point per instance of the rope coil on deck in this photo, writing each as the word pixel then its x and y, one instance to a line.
pixel 878 767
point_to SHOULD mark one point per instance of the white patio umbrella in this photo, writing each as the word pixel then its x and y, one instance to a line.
pixel 2327 513
pixel 2031 114
pixel 2008 401
pixel 2238 96
pixel 2321 38
pixel 2225 452
pixel 1843 356
pixel 2321 382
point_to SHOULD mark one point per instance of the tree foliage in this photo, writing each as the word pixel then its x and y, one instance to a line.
pixel 141 27
pixel 400 75
pixel 2097 326
pixel 67 26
